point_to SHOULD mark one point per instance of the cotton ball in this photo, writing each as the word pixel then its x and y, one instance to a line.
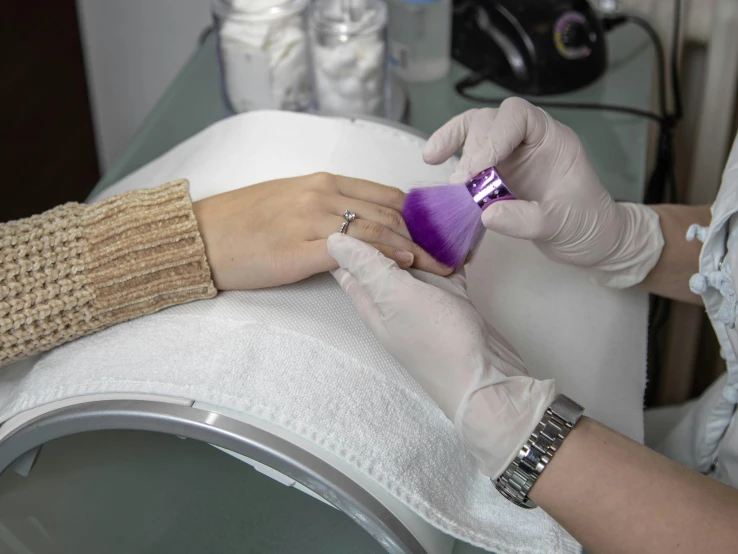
pixel 373 82
pixel 374 104
pixel 332 101
pixel 322 85
pixel 325 84
pixel 349 86
pixel 370 73
pixel 326 61
pixel 371 57
pixel 345 57
pixel 335 61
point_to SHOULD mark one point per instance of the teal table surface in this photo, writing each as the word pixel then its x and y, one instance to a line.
pixel 205 491
pixel 616 143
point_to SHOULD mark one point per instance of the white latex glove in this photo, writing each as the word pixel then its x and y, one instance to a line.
pixel 562 205
pixel 428 324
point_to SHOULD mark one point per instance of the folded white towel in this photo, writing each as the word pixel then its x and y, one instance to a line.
pixel 298 357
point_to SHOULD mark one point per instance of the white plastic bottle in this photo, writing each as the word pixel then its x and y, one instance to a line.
pixel 420 39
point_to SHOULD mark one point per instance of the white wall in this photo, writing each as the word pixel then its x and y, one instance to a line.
pixel 133 49
pixel 697 15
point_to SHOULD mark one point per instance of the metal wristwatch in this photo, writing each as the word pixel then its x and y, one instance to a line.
pixel 517 480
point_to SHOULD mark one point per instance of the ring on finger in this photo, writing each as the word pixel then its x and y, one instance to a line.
pixel 348 217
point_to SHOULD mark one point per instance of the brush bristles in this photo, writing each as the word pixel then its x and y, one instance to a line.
pixel 445 221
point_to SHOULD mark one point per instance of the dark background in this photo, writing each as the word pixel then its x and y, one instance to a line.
pixel 47 147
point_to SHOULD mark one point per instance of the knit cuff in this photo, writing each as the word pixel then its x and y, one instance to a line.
pixel 143 253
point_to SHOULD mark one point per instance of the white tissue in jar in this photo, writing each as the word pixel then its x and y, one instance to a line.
pixel 335 62
pixel 349 76
pixel 265 64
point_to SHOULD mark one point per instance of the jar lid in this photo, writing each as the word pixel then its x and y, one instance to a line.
pixel 348 17
pixel 257 10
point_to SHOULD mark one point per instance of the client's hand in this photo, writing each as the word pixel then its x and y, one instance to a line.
pixel 274 233
pixel 428 324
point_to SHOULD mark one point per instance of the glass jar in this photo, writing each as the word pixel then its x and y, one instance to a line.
pixel 262 49
pixel 348 47
pixel 420 39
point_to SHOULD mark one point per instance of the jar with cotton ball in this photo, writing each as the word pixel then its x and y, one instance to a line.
pixel 263 54
pixel 349 56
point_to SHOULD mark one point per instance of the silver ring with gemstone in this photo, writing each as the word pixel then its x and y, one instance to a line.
pixel 348 217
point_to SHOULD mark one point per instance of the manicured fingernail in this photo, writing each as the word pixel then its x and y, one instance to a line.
pixel 404 257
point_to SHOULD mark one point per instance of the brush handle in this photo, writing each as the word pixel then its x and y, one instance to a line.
pixel 487 188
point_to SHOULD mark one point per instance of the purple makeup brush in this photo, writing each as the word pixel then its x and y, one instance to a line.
pixel 446 220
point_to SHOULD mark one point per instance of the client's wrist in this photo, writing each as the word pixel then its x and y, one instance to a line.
pixel 207 218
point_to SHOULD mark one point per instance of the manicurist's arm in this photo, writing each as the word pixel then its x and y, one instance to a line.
pixel 612 494
pixel 616 496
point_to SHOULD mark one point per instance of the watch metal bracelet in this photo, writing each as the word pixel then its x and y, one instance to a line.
pixel 517 480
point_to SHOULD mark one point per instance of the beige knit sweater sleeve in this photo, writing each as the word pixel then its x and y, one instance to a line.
pixel 79 268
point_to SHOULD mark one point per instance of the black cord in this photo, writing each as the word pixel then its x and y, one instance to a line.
pixel 659 315
pixel 475 78
pixel 678 109
pixel 661 307
pixel 460 90
pixel 660 56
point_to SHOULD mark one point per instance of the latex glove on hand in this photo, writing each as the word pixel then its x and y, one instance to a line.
pixel 274 233
pixel 562 205
pixel 427 323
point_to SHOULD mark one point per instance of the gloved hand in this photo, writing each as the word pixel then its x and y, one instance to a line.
pixel 427 323
pixel 561 206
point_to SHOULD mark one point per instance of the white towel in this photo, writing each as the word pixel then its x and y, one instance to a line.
pixel 298 357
